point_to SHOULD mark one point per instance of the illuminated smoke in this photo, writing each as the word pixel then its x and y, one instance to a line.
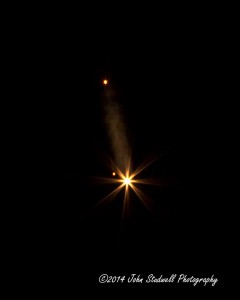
pixel 116 130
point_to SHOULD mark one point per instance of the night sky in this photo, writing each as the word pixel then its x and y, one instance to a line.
pixel 167 84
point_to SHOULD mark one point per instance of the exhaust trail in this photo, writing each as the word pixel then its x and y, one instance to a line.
pixel 116 128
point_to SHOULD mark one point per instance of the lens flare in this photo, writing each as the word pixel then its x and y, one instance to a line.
pixel 129 181
pixel 105 81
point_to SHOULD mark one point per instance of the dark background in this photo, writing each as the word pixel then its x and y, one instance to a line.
pixel 168 81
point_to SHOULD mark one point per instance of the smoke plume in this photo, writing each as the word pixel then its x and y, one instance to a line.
pixel 116 130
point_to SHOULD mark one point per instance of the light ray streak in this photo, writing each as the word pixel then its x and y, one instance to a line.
pixel 125 211
pixel 146 200
pixel 125 202
pixel 128 170
pixel 142 167
pixel 109 197
pixel 147 181
pixel 106 180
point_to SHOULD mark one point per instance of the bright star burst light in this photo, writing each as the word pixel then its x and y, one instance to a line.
pixel 128 181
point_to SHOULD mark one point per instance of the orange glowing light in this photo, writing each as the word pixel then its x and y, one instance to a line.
pixel 113 173
pixel 105 81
